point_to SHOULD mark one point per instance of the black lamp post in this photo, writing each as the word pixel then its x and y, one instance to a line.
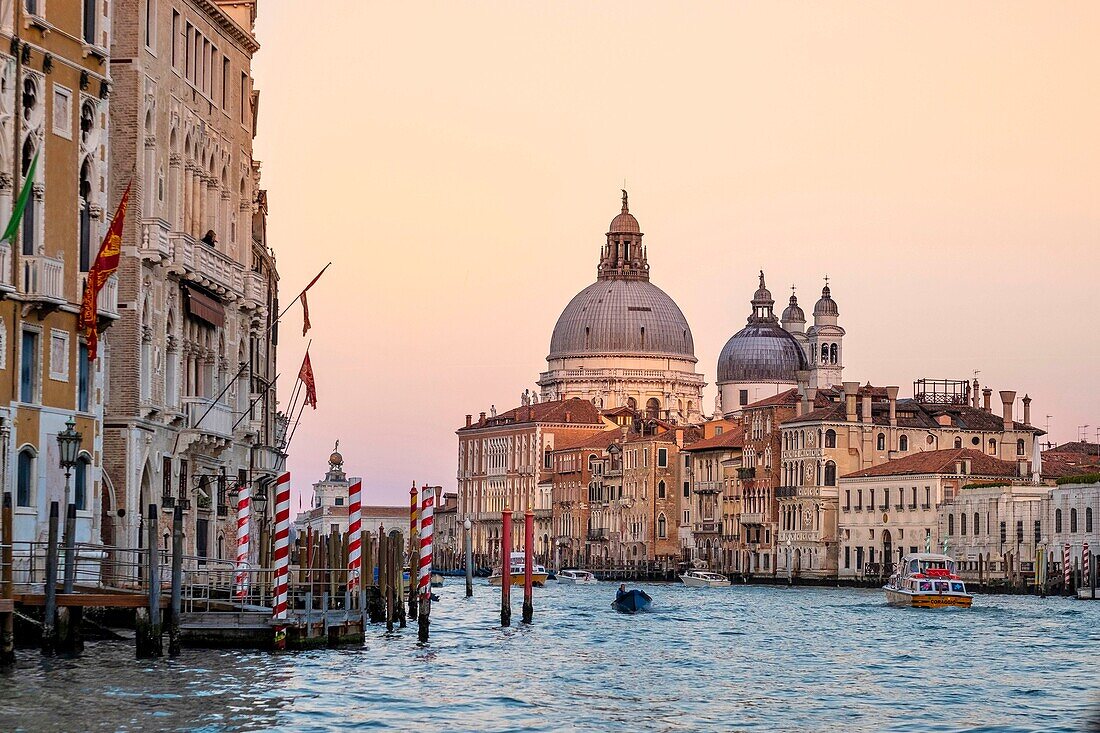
pixel 68 443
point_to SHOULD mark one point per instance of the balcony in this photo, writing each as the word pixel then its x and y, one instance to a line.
pixel 708 487
pixel 707 526
pixel 898 507
pixel 746 473
pixel 786 492
pixel 883 507
pixel 598 535
pixel 155 245
pixel 208 267
pixel 255 289
pixel 267 459
pixel 913 506
pixel 107 300
pixel 751 518
pixel 43 279
pixel 217 422
pixel 7 283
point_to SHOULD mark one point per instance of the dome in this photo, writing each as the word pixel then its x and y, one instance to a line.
pixel 335 459
pixel 826 306
pixel 793 312
pixel 615 316
pixel 624 223
pixel 761 352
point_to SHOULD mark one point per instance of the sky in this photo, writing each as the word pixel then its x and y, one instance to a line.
pixel 459 163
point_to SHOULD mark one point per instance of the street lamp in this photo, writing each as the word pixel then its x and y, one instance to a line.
pixel 68 443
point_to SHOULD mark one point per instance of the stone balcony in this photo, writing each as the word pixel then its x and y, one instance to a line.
pixel 218 422
pixel 7 282
pixel 155 245
pixel 255 289
pixel 752 518
pixel 707 487
pixel 107 300
pixel 208 267
pixel 267 459
pixel 707 526
pixel 43 278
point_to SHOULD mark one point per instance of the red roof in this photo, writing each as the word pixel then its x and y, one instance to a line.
pixel 732 438
pixel 600 440
pixel 940 461
pixel 572 411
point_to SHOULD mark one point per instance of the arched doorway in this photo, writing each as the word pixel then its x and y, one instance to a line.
pixel 653 408
pixel 887 552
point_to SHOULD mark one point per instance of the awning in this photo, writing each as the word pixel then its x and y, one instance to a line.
pixel 204 307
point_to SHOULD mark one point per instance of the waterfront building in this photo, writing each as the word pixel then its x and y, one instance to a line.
pixel 54 122
pixel 1071 516
pixel 716 471
pixel 765 357
pixel 622 341
pixel 893 508
pixel 504 459
pixel 191 410
pixel 994 529
pixel 329 511
pixel 867 426
pixel 1070 459
pixel 447 545
pixel 586 509
pixel 650 508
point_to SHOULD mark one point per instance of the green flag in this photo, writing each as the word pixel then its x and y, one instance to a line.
pixel 21 204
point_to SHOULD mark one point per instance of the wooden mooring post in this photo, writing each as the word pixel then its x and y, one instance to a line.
pixel 384 572
pixel 49 616
pixel 414 546
pixel 7 588
pixel 177 583
pixel 398 548
pixel 528 565
pixel 506 567
pixel 147 620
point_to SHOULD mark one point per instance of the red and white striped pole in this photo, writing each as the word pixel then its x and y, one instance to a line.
pixel 244 512
pixel 355 530
pixel 414 547
pixel 427 528
pixel 282 557
pixel 1086 562
pixel 1065 566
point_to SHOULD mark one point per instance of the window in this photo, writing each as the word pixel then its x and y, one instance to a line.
pixel 244 94
pixel 993 446
pixel 80 482
pixel 660 489
pixel 25 479
pixel 958 442
pixel 225 82
pixel 830 439
pixel 687 490
pixel 339 501
pixel 847 557
pixel 662 526
pixel 151 24
pixel 662 457
pixel 977 524
pixel 83 379
pixel 927 497
pixel 950 524
pixel 175 38
pixel 1073 520
pixel 1039 531
pixel 1003 537
pixel 1088 519
pixel 903 443
pixel 1057 521
pixel 1020 447
pixel 743 397
pixel 546 458
pixel 29 221
pixel 59 355
pixel 830 474
pixel 962 524
pixel 847 499
pixel 62 112
pixel 89 21
pixel 28 367
pixel 32 7
pixel 881 441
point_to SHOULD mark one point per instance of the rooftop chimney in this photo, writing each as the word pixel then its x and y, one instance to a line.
pixel 974 394
pixel 987 395
pixel 850 391
pixel 481 420
pixel 1023 470
pixel 1027 410
pixel 892 395
pixel 867 416
pixel 469 420
pixel 1007 399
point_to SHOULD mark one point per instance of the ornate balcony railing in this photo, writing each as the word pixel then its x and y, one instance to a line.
pixel 7 282
pixel 43 278
pixel 708 487
pixel 107 300
pixel 218 418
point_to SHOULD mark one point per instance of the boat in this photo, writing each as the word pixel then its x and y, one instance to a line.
pixel 704 579
pixel 538 572
pixel 437 580
pixel 576 577
pixel 631 601
pixel 927 580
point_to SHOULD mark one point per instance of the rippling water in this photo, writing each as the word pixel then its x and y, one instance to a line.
pixel 740 659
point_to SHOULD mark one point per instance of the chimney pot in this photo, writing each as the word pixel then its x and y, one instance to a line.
pixel 482 418
pixel 987 395
pixel 851 389
pixel 1007 400
pixel 469 420
pixel 1027 410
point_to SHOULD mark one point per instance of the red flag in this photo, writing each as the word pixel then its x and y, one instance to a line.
pixel 106 263
pixel 305 303
pixel 306 375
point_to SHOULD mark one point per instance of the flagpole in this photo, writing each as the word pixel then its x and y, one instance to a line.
pixel 244 365
pixel 252 403
pixel 286 448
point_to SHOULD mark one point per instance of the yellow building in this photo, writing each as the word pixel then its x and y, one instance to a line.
pixel 53 105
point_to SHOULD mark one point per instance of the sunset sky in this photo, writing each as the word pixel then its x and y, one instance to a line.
pixel 459 164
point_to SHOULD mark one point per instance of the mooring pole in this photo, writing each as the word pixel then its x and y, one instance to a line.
pixel 469 559
pixel 399 576
pixel 177 583
pixel 528 565
pixel 414 546
pixel 423 562
pixel 506 566
pixel 49 618
pixel 7 586
pixel 148 633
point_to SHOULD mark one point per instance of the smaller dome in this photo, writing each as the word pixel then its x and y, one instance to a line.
pixel 793 312
pixel 826 306
pixel 624 223
pixel 336 459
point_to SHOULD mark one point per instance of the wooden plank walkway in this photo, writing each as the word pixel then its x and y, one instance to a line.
pixel 90 600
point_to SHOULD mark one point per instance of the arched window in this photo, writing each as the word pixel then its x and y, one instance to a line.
pixel 977 525
pixel 830 438
pixel 660 489
pixel 1057 520
pixel 824 353
pixel 903 443
pixel 1073 520
pixel 832 354
pixel 30 213
pixel 830 474
pixel 85 216
pixel 25 478
pixel 653 407
pixel 632 403
pixel 962 523
pixel 958 442
pixel 993 446
pixel 1020 447
pixel 1088 519
pixel 80 481
pixel 950 524
pixel 881 441
pixel 662 526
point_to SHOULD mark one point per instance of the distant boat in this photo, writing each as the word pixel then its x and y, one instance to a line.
pixel 632 601
pixel 927 580
pixel 576 577
pixel 517 572
pixel 704 579
pixel 437 580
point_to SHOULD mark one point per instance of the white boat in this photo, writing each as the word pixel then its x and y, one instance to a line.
pixel 927 580
pixel 538 572
pixel 576 577
pixel 704 579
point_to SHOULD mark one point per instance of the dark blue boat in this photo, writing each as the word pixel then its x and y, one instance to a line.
pixel 631 601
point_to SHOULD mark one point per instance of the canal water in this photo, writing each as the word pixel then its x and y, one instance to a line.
pixel 747 658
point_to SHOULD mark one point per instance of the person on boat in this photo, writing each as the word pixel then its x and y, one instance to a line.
pixel 621 592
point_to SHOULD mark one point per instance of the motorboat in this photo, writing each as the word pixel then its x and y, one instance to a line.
pixel 704 579
pixel 576 577
pixel 927 580
pixel 518 560
pixel 631 601
pixel 437 580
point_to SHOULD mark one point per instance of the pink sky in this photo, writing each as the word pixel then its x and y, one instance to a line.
pixel 460 162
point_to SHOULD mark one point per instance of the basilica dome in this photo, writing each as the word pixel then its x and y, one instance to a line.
pixel 762 351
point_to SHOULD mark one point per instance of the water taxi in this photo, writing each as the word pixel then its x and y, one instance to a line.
pixel 704 579
pixel 538 572
pixel 576 577
pixel 927 580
